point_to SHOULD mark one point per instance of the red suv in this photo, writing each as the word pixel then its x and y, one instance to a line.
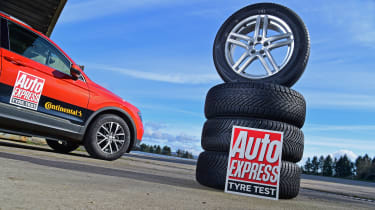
pixel 44 93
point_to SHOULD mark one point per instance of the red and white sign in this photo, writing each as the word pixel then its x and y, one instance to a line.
pixel 254 163
pixel 27 90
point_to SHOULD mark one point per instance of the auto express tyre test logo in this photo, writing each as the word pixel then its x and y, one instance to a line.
pixel 254 163
pixel 27 90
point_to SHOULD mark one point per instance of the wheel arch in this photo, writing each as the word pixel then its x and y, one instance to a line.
pixel 116 111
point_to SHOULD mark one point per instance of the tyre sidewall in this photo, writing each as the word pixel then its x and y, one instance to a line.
pixel 66 147
pixel 294 68
pixel 91 143
pixel 256 100
pixel 212 168
pixel 217 134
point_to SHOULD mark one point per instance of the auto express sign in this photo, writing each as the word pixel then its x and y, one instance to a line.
pixel 27 90
pixel 254 163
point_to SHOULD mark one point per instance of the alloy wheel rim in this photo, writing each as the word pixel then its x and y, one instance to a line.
pixel 110 137
pixel 251 37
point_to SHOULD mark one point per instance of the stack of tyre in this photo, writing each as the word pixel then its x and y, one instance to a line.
pixel 260 52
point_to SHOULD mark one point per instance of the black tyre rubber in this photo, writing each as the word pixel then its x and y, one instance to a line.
pixel 217 133
pixel 90 140
pixel 212 168
pixel 256 100
pixel 63 146
pixel 292 70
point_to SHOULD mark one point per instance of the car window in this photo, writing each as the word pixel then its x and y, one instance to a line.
pixel 36 48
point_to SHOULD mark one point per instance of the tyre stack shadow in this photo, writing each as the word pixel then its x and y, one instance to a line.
pixel 266 103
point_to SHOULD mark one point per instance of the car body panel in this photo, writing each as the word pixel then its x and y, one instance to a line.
pixel 58 88
pixel 66 106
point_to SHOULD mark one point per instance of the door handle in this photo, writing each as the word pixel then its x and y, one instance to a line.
pixel 14 61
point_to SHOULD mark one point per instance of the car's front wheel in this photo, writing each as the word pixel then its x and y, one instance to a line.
pixel 108 137
pixel 62 146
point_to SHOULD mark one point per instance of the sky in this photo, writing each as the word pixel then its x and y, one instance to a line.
pixel 157 54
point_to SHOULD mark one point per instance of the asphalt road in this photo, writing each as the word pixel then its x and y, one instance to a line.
pixel 34 177
pixel 345 187
pixel 339 181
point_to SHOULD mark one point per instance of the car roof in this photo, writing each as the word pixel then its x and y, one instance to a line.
pixel 41 15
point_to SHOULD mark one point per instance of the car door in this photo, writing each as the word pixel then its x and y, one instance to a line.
pixel 35 78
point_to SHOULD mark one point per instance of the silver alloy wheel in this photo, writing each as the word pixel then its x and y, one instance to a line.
pixel 110 137
pixel 252 37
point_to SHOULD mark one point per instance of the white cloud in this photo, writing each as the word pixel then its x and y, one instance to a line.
pixel 313 127
pixel 353 78
pixel 207 13
pixel 91 9
pixel 339 100
pixel 351 155
pixel 160 134
pixel 161 77
pixel 356 17
pixel 84 10
pixel 154 126
pixel 170 109
pixel 339 143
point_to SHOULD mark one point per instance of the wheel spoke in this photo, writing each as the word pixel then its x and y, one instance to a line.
pixel 257 27
pixel 117 126
pixel 246 64
pixel 106 130
pixel 265 26
pixel 265 65
pixel 118 140
pixel 280 44
pixel 110 147
pixel 110 127
pixel 103 140
pixel 240 60
pixel 106 145
pixel 120 134
pixel 102 134
pixel 241 36
pixel 238 43
pixel 280 36
pixel 116 146
pixel 272 60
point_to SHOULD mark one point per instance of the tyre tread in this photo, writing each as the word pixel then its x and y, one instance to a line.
pixel 212 168
pixel 217 134
pixel 256 100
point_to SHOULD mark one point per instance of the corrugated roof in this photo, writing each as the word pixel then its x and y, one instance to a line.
pixel 42 15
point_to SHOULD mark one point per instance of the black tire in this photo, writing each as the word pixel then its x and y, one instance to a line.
pixel 62 146
pixel 256 100
pixel 212 168
pixel 91 140
pixel 291 70
pixel 217 133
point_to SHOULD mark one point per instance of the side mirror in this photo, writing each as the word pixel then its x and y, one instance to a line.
pixel 82 67
pixel 75 73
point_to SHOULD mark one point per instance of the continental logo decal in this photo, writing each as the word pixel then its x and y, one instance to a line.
pixel 59 108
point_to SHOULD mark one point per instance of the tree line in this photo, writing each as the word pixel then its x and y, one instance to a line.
pixel 363 168
pixel 165 150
